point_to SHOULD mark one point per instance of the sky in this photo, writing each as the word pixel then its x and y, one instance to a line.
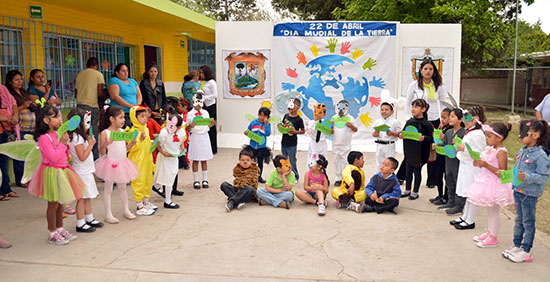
pixel 538 10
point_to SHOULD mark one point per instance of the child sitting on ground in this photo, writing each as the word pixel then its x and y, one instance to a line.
pixel 351 192
pixel 246 174
pixel 279 188
pixel 316 184
pixel 383 191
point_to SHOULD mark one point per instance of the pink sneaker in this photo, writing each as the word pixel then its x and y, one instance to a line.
pixel 490 242
pixel 482 237
pixel 68 210
pixel 521 256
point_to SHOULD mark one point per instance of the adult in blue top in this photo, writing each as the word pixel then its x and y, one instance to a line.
pixel 124 91
pixel 39 89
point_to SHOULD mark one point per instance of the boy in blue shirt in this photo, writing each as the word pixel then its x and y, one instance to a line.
pixel 383 190
pixel 261 127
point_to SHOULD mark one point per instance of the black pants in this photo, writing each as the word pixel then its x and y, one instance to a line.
pixel 432 166
pixel 237 195
pixel 451 174
pixel 439 172
pixel 182 162
pixel 417 172
pixel 212 132
pixel 388 205
pixel 402 172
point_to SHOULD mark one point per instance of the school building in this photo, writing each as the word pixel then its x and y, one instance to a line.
pixel 58 36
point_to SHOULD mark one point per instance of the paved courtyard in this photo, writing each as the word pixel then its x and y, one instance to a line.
pixel 202 242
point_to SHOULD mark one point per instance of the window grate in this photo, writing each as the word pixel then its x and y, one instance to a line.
pixel 17 46
pixel 201 53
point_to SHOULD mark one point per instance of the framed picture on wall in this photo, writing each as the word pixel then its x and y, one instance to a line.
pixel 246 73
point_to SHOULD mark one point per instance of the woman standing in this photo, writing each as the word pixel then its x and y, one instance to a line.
pixel 210 90
pixel 124 91
pixel 428 86
pixel 39 89
pixel 26 108
pixel 152 89
pixel 9 118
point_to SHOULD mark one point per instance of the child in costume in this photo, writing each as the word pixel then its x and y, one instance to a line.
pixel 114 167
pixel 246 181
pixel 533 165
pixel 279 187
pixel 351 192
pixel 55 181
pixel 475 138
pixel 141 155
pixel 440 159
pixel 81 143
pixel 316 184
pixel 289 142
pixel 385 144
pixel 170 147
pixel 341 139
pixel 198 151
pixel 417 152
pixel 451 163
pixel 487 190
pixel 261 127
pixel 318 140
pixel 383 190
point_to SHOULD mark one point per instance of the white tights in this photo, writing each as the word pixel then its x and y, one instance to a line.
pixel 107 198
pixel 493 217
pixel 470 212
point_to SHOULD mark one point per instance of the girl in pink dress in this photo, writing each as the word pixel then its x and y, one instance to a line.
pixel 114 167
pixel 487 190
pixel 55 181
pixel 316 184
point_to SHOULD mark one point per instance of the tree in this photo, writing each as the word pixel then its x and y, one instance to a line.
pixel 308 9
pixel 531 38
pixel 486 24
pixel 227 10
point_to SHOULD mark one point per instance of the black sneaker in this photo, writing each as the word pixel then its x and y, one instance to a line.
pixel 435 199
pixel 95 223
pixel 453 210
pixel 261 180
pixel 177 193
pixel 440 202
pixel 85 229
pixel 338 183
pixel 405 194
pixel 197 185
pixel 204 184
pixel 171 205
pixel 229 206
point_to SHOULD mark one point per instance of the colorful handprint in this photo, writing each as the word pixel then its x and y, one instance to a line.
pixel 374 101
pixel 314 50
pixel 365 119
pixel 369 64
pixel 332 44
pixel 301 58
pixel 291 72
pixel 356 53
pixel 377 82
pixel 345 47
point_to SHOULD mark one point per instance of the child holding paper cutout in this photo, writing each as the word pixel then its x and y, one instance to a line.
pixel 198 151
pixel 114 167
pixel 289 142
pixel 417 152
pixel 440 159
pixel 533 165
pixel 261 127
pixel 487 190
pixel 318 139
pixel 385 144
pixel 341 139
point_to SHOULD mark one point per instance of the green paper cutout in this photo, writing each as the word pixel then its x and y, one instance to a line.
pixel 255 137
pixel 123 136
pixel 473 154
pixel 154 146
pixel 324 128
pixel 340 122
pixel 458 141
pixel 510 176
pixel 468 117
pixel 440 150
pixel 411 135
pixel 70 125
pixel 381 128
pixel 198 120
pixel 284 129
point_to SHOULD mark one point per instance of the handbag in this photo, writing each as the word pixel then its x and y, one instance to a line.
pixel 11 136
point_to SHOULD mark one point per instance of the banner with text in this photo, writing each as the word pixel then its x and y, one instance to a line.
pixel 325 62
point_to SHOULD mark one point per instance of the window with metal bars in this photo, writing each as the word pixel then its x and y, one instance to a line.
pixel 66 51
pixel 17 46
pixel 201 53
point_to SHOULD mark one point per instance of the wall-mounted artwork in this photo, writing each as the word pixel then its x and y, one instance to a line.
pixel 246 74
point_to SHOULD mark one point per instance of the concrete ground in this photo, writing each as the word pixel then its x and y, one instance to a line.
pixel 202 242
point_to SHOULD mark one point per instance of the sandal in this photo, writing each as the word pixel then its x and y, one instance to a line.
pixel 13 194
pixel 4 198
pixel 4 244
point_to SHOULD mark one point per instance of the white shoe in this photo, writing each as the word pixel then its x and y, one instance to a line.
pixel 521 256
pixel 510 251
pixel 321 210
pixel 354 207
pixel 150 206
pixel 145 211
pixel 241 205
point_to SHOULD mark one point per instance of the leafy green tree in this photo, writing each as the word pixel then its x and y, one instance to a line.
pixel 531 39
pixel 227 10
pixel 308 9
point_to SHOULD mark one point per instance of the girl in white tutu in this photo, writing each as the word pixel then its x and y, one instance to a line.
pixel 199 149
pixel 114 167
pixel 487 190
pixel 81 143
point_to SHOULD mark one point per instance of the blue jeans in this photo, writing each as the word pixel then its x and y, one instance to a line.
pixel 19 166
pixel 4 167
pixel 274 199
pixel 290 152
pixel 524 230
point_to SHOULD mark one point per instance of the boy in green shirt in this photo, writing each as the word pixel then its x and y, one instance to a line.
pixel 279 188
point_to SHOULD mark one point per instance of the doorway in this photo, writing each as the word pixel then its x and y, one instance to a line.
pixel 153 54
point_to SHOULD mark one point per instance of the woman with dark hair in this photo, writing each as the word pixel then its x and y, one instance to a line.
pixel 428 86
pixel 26 108
pixel 38 88
pixel 210 90
pixel 9 119
pixel 190 85
pixel 152 89
pixel 124 91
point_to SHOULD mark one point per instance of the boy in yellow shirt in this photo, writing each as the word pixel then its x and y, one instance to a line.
pixel 353 182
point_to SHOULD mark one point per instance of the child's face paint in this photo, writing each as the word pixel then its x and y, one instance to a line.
pixel 245 161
